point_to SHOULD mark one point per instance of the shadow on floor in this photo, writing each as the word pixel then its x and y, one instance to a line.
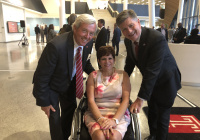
pixel 34 135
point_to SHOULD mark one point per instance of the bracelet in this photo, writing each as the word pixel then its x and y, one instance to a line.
pixel 99 118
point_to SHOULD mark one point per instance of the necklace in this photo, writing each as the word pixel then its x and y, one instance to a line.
pixel 111 77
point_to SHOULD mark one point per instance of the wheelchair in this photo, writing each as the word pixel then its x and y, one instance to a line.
pixel 79 131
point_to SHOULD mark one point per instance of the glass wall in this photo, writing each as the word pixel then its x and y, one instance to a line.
pixel 190 15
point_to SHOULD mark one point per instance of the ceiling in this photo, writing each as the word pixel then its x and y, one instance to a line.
pixel 52 6
pixel 143 2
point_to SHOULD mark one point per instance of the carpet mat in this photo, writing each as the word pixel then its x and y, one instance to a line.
pixel 184 123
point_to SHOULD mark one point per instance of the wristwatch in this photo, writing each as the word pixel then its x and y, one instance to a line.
pixel 116 120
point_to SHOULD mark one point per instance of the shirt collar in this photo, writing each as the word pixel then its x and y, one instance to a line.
pixel 138 39
pixel 101 27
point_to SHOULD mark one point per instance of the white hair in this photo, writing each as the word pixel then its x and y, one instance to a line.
pixel 84 18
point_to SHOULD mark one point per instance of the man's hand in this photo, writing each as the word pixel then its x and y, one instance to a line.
pixel 136 106
pixel 46 109
pixel 175 39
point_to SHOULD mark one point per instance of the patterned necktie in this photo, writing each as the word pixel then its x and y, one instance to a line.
pixel 136 49
pixel 79 74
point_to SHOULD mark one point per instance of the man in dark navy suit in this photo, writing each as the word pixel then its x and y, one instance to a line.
pixel 116 38
pixel 55 77
pixel 148 50
pixel 102 35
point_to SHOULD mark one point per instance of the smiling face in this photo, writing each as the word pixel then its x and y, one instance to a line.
pixel 84 33
pixel 131 28
pixel 106 62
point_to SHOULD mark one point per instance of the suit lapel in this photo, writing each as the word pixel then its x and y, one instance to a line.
pixel 86 52
pixel 84 55
pixel 142 43
pixel 70 46
pixel 131 51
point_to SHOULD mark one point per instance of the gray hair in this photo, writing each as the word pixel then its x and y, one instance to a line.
pixel 84 18
pixel 124 15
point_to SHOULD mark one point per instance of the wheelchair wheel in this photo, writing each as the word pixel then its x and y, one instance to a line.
pixel 76 122
pixel 74 129
pixel 136 126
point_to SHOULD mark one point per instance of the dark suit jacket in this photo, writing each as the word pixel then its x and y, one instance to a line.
pixel 116 35
pixel 54 70
pixel 195 39
pixel 101 39
pixel 161 76
pixel 166 33
pixel 37 30
pixel 180 35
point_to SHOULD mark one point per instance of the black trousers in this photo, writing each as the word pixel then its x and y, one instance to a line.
pixel 60 124
pixel 117 46
pixel 158 119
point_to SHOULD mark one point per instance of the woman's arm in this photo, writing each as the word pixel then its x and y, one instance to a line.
pixel 91 102
pixel 126 89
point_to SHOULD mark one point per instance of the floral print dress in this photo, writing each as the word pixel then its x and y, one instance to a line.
pixel 108 96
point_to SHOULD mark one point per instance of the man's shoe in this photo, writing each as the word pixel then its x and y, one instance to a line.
pixel 151 137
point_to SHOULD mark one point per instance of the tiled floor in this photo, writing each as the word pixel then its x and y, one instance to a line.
pixel 21 119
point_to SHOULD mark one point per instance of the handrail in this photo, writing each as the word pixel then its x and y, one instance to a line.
pixel 112 12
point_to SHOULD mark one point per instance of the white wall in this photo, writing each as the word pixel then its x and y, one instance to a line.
pixel 13 13
pixel 10 13
pixel 2 33
pixel 187 57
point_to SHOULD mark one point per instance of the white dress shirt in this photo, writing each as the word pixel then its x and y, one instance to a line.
pixel 76 46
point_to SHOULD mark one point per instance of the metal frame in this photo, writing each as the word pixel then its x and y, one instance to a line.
pixel 75 131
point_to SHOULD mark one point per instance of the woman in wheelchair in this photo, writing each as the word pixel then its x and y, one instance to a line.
pixel 108 91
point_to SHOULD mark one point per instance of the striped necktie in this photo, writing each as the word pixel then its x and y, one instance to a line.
pixel 79 74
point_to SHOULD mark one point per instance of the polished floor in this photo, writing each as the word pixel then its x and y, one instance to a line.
pixel 21 119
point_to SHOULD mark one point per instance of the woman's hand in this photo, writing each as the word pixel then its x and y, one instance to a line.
pixel 107 132
pixel 108 123
pixel 101 120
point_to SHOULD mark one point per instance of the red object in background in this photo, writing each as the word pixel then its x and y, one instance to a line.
pixel 184 124
pixel 12 27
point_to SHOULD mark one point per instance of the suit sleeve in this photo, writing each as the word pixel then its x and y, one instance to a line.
pixel 153 67
pixel 114 35
pixel 104 38
pixel 89 68
pixel 129 65
pixel 43 73
pixel 181 35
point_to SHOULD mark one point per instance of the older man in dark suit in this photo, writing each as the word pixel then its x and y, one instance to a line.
pixel 148 50
pixel 55 80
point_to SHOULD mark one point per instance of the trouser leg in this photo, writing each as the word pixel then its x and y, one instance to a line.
pixel 163 123
pixel 152 116
pixel 37 38
pixel 68 106
pixel 158 119
pixel 55 123
pixel 113 44
pixel 117 46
